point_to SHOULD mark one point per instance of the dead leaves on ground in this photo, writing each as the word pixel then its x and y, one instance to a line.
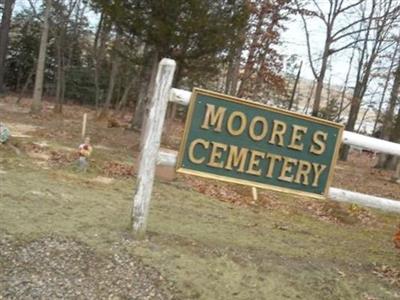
pixel 359 175
pixel 116 169
pixel 387 273
pixel 326 211
pixel 55 158
pixel 337 213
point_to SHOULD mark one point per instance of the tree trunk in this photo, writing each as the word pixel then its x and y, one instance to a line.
pixel 366 62
pixel 351 122
pixel 389 131
pixel 17 85
pixel 251 57
pixel 97 60
pixel 229 75
pixel 392 162
pixel 295 87
pixel 146 92
pixel 63 83
pixel 362 120
pixel 354 107
pixel 346 82
pixel 4 37
pixel 235 75
pixel 36 106
pixel 328 90
pixel 309 98
pixel 124 98
pixel 385 87
pixel 232 75
pixel 140 93
pixel 359 91
pixel 66 60
pixel 60 67
pixel 389 114
pixel 26 85
pixel 317 97
pixel 387 161
pixel 320 81
pixel 110 92
pixel 395 135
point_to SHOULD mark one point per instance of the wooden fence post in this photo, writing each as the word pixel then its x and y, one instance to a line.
pixel 151 144
pixel 254 192
pixel 84 121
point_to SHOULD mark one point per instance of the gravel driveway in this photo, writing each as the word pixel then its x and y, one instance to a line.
pixel 56 267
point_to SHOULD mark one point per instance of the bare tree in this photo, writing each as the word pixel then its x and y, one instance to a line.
pixel 309 98
pixel 386 84
pixel 345 86
pixel 389 114
pixel 388 132
pixel 329 89
pixel 4 31
pixel 36 106
pixel 336 39
pixel 395 136
pixel 295 87
pixel 381 18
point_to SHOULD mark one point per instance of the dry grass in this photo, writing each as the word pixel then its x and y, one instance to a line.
pixel 281 247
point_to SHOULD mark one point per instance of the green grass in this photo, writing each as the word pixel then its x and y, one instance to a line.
pixel 207 248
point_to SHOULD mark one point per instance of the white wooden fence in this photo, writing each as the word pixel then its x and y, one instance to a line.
pixel 150 154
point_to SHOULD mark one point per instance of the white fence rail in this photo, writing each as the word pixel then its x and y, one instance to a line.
pixel 370 143
pixel 365 200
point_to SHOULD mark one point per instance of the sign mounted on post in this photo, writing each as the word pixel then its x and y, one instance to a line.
pixel 245 142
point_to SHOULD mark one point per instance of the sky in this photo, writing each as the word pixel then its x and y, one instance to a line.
pixel 294 42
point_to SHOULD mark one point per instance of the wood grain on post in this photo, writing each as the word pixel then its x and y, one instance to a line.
pixel 254 193
pixel 151 143
pixel 84 121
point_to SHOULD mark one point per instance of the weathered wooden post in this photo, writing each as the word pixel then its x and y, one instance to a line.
pixel 84 121
pixel 150 146
pixel 254 193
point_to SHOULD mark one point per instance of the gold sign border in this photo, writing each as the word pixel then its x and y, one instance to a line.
pixel 198 91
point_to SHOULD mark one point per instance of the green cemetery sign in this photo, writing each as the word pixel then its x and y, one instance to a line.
pixel 245 142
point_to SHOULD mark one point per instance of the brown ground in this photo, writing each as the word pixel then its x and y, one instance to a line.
pixel 357 174
pixel 49 142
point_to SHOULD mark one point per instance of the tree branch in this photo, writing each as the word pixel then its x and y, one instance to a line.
pixel 349 26
pixel 308 43
pixel 34 10
pixel 339 7
pixel 337 38
pixel 322 15
pixel 349 6
pixel 331 13
pixel 332 51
